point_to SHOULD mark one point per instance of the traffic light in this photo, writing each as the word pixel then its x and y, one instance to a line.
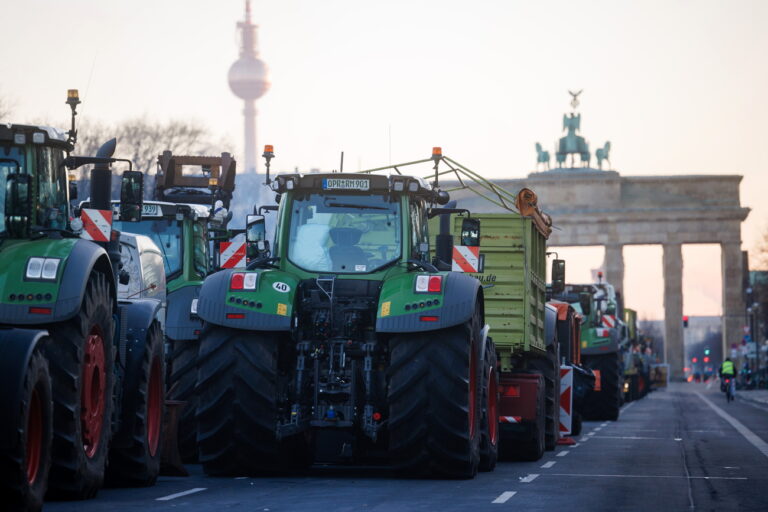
pixel 706 359
pixel 706 351
pixel 694 359
pixel 685 321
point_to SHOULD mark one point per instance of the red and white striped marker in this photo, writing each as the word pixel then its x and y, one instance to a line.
pixel 97 224
pixel 609 321
pixel 602 332
pixel 232 254
pixel 566 399
pixel 510 419
pixel 465 259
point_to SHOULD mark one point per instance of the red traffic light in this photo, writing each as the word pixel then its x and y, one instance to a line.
pixel 706 359
pixel 694 359
pixel 685 321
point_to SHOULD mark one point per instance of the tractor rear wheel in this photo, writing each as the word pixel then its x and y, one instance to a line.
pixel 237 409
pixel 182 387
pixel 434 401
pixel 550 369
pixel 534 449
pixel 81 360
pixel 489 424
pixel 24 470
pixel 604 404
pixel 134 459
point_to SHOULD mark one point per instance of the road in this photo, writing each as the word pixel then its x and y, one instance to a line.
pixel 669 451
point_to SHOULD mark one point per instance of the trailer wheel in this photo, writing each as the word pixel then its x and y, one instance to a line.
pixel 182 387
pixel 534 449
pixel 434 393
pixel 489 424
pixel 24 470
pixel 134 459
pixel 237 410
pixel 550 369
pixel 81 360
pixel 604 404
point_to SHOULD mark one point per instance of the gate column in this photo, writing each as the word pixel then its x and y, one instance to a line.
pixel 733 296
pixel 614 268
pixel 673 310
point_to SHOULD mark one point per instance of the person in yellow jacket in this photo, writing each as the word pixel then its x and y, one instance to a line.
pixel 728 371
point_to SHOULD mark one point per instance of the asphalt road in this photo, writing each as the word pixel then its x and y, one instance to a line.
pixel 670 451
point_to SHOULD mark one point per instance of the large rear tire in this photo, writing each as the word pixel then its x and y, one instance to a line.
pixel 489 424
pixel 550 369
pixel 182 387
pixel 24 470
pixel 237 410
pixel 81 359
pixel 134 459
pixel 604 405
pixel 434 401
pixel 534 449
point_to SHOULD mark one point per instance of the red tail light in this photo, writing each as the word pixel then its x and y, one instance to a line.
pixel 236 282
pixel 235 316
pixel 429 318
pixel 510 391
pixel 40 311
pixel 435 283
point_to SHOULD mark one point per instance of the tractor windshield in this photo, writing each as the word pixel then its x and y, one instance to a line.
pixel 166 233
pixel 344 233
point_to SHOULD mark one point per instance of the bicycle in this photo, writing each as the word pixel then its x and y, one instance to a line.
pixel 726 386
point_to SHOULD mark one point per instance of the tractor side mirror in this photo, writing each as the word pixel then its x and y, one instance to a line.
pixel 558 276
pixel 255 228
pixel 470 232
pixel 131 196
pixel 17 195
pixel 585 301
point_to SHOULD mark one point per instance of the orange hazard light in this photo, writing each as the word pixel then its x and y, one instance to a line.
pixel 437 151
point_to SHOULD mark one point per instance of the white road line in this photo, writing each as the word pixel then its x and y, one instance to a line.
pixel 240 477
pixel 650 476
pixel 591 434
pixel 604 424
pixel 583 439
pixel 563 453
pixel 630 404
pixel 530 478
pixel 574 445
pixel 503 497
pixel 180 494
pixel 549 464
pixel 630 437
pixel 750 436
pixel 598 429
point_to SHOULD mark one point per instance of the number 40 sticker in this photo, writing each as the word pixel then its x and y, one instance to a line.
pixel 281 287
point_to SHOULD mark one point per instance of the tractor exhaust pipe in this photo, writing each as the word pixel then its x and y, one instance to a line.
pixel 101 178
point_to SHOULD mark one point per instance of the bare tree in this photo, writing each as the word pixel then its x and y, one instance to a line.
pixel 760 253
pixel 6 109
pixel 141 140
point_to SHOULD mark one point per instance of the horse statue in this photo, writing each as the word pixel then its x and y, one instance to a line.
pixel 603 153
pixel 542 157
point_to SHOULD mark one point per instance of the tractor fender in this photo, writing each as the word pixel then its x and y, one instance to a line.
pixel 609 345
pixel 16 348
pixel 138 315
pixel 180 324
pixel 269 307
pixel 85 257
pixel 458 299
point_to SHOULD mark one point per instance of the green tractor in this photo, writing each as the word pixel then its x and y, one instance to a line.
pixel 189 212
pixel 343 342
pixel 82 373
pixel 603 342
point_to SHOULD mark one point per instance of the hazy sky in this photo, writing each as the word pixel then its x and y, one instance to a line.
pixel 678 87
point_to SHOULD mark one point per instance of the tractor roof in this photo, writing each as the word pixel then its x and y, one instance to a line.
pixel 356 183
pixel 23 133
pixel 157 209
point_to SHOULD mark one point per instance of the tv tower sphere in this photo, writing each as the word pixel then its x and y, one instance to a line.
pixel 248 78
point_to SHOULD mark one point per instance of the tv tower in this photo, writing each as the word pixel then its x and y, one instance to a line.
pixel 249 80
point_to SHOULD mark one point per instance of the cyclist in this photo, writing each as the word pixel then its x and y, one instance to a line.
pixel 728 371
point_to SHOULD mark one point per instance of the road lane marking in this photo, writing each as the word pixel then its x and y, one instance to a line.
pixel 591 434
pixel 598 429
pixel 180 494
pixel 650 476
pixel 604 424
pixel 240 477
pixel 583 439
pixel 530 478
pixel 563 454
pixel 629 437
pixel 750 436
pixel 549 464
pixel 503 497
pixel 627 406
pixel 574 445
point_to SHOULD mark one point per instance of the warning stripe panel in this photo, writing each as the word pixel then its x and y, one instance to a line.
pixel 232 254
pixel 510 419
pixel 465 259
pixel 97 224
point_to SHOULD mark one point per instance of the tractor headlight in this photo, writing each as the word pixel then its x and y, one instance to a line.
pixel 193 307
pixel 43 268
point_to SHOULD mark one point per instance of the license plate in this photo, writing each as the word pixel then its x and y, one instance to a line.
pixel 150 210
pixel 346 184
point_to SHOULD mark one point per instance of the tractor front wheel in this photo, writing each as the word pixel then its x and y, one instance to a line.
pixel 604 404
pixel 182 387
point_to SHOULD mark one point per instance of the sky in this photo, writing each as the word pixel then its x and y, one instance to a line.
pixel 678 87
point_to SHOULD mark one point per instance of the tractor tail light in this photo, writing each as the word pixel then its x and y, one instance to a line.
pixel 510 391
pixel 236 282
pixel 429 284
pixel 435 284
